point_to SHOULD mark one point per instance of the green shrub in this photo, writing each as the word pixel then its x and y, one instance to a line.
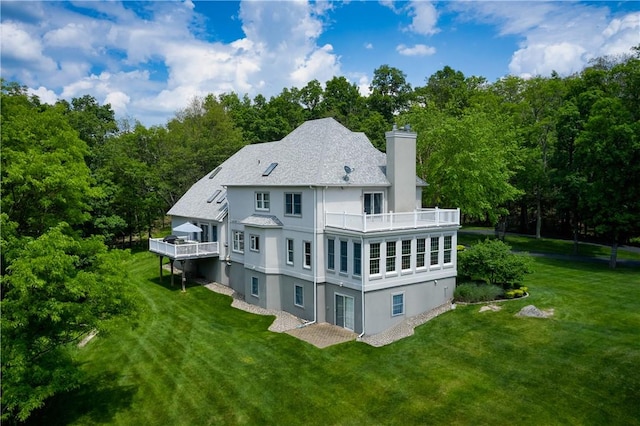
pixel 509 294
pixel 460 247
pixel 471 293
pixel 493 262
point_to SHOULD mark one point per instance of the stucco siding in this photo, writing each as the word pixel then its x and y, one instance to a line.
pixel 418 298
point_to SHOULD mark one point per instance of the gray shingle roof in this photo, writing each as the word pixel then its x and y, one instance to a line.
pixel 314 154
pixel 262 221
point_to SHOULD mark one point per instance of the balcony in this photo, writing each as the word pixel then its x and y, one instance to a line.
pixel 183 249
pixel 419 219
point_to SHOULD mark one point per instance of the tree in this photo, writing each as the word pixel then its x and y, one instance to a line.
pixel 343 102
pixel 44 175
pixel 390 92
pixel 57 289
pixel 468 161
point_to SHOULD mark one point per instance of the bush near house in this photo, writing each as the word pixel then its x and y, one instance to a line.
pixel 472 292
pixel 492 262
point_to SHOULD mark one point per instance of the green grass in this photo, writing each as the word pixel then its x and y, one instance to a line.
pixel 546 245
pixel 194 360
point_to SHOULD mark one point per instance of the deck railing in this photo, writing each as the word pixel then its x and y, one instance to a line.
pixel 183 250
pixel 424 218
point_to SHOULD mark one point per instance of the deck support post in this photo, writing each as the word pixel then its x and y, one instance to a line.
pixel 184 277
pixel 171 272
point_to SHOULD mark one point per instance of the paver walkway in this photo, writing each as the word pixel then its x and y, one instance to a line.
pixel 323 335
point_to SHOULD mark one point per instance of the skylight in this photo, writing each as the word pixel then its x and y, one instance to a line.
pixel 215 172
pixel 213 197
pixel 269 169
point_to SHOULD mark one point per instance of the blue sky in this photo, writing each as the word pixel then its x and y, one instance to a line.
pixel 149 59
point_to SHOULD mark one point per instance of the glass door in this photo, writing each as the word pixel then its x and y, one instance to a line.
pixel 345 312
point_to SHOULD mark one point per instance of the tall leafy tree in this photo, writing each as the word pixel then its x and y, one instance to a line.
pixel 390 92
pixel 57 289
pixel 44 175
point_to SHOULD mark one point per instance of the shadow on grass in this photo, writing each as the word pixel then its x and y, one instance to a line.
pixel 97 400
pixel 177 282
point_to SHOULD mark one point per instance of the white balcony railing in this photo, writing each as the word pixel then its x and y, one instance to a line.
pixel 424 218
pixel 183 250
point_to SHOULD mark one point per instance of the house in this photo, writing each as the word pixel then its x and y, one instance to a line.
pixel 322 225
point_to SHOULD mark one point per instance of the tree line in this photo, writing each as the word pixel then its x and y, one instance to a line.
pixel 547 155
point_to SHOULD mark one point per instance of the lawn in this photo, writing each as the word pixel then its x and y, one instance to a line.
pixel 194 360
pixel 547 245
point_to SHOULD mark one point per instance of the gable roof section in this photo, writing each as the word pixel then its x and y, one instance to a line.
pixel 316 154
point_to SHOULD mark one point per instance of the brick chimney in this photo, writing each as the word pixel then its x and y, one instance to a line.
pixel 401 169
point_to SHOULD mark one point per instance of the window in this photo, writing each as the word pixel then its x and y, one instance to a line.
pixel 406 254
pixel 238 241
pixel 204 235
pixel 254 241
pixel 447 248
pixel 289 251
pixel 391 256
pixel 373 202
pixel 255 287
pixel 435 248
pixel 397 304
pixel 262 201
pixel 331 254
pixel 307 254
pixel 298 297
pixel 269 169
pixel 214 195
pixel 374 258
pixel 357 258
pixel 214 233
pixel 343 256
pixel 421 248
pixel 293 204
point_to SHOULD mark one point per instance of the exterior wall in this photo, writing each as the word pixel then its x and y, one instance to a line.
pixel 418 298
pixel 401 170
pixel 330 292
pixel 287 297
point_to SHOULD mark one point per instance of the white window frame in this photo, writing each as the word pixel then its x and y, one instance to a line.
pixel 255 285
pixel 307 260
pixel 421 252
pixel 436 251
pixel 344 256
pixel 254 242
pixel 297 287
pixel 393 304
pixel 290 247
pixel 377 259
pixel 387 257
pixel 331 254
pixel 357 260
pixel 446 250
pixel 238 241
pixel 405 256
pixel 263 201
pixel 293 204
pixel 370 206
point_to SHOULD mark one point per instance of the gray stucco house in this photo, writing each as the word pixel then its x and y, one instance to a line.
pixel 322 225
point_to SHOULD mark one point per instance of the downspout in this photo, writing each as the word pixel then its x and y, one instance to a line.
pixel 314 267
pixel 362 282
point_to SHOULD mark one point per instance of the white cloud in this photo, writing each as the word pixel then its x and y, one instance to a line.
pixel 45 95
pixel 21 50
pixel 417 50
pixel 424 18
pixel 368 46
pixel 556 36
pixel 118 102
